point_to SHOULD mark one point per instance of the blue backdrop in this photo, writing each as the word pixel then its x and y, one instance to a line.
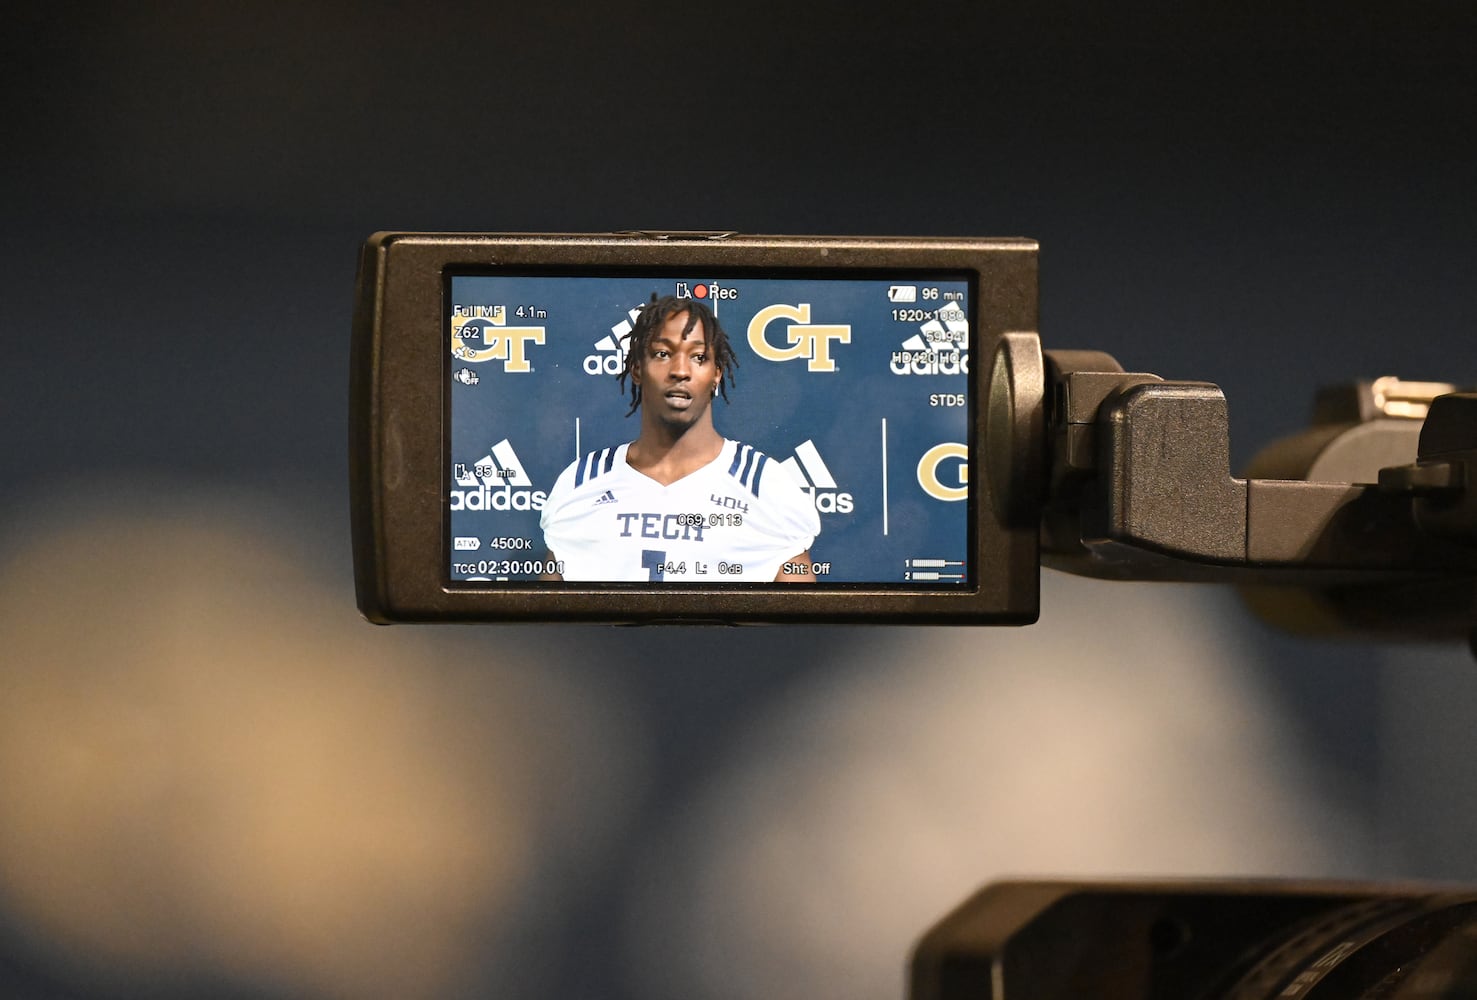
pixel 859 386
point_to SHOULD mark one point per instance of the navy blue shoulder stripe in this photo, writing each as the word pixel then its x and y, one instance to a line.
pixel 748 466
pixel 596 463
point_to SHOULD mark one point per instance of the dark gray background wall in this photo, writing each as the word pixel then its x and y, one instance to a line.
pixel 218 781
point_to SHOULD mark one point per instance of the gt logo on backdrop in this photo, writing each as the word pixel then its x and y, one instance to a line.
pixel 480 333
pixel 496 481
pixel 943 471
pixel 804 340
pixel 810 470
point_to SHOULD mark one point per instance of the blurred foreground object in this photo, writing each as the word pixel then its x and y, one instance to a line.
pixel 1209 941
pixel 212 772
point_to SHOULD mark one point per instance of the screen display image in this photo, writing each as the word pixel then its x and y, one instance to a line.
pixel 832 414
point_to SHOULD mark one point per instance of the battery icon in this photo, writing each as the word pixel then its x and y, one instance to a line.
pixel 902 293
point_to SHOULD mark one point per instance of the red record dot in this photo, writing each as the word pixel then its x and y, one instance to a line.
pixel 699 291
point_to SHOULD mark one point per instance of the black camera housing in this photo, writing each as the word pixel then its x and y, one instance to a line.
pixel 401 466
pixel 1227 940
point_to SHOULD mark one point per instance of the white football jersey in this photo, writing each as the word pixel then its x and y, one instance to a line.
pixel 738 518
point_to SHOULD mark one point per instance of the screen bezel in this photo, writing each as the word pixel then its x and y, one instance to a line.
pixel 967 278
pixel 399 431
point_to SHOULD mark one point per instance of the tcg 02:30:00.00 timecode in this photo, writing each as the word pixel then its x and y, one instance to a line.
pixel 489 567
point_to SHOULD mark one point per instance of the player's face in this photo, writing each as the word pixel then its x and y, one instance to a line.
pixel 678 378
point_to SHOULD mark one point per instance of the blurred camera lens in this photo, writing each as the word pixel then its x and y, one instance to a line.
pixel 1234 940
pixel 1382 949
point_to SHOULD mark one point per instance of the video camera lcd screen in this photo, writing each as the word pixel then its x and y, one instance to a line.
pixel 842 404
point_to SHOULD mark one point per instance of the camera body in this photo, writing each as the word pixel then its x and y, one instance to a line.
pixel 854 395
pixel 1230 940
pixel 860 430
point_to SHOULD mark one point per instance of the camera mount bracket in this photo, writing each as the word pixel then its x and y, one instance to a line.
pixel 1364 522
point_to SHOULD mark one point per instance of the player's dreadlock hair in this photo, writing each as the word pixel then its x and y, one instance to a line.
pixel 653 317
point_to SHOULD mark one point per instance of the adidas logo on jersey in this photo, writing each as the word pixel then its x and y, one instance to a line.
pixel 497 481
pixel 607 497
pixel 810 469
pixel 610 351
pixel 940 347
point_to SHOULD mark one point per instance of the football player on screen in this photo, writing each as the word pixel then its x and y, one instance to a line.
pixel 681 503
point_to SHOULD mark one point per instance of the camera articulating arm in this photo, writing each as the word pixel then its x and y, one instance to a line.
pixel 1366 522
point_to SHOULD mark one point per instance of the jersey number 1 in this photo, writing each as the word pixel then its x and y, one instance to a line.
pixel 652 561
